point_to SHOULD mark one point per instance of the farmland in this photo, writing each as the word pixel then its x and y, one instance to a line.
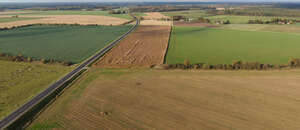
pixel 9 19
pixel 62 43
pixel 234 19
pixel 241 19
pixel 146 46
pixel 19 82
pixel 194 14
pixel 155 18
pixel 220 46
pixel 67 12
pixel 65 19
pixel 151 99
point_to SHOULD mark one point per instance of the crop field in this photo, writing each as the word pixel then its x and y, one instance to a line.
pixel 293 28
pixel 9 19
pixel 65 19
pixel 194 14
pixel 168 100
pixel 20 82
pixel 144 47
pixel 62 43
pixel 220 46
pixel 242 19
pixel 100 13
pixel 234 19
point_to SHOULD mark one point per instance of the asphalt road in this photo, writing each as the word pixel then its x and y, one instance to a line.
pixel 37 99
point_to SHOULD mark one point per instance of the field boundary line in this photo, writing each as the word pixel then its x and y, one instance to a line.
pixel 168 45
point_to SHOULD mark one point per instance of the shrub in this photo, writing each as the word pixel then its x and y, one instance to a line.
pixel 29 59
pixel 294 63
pixel 266 66
pixel 180 66
pixel 187 63
pixel 2 55
pixel 196 66
pixel 237 65
pixel 44 61
pixel 67 63
pixel 218 66
pixel 206 66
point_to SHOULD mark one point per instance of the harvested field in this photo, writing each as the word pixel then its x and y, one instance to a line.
pixel 156 22
pixel 144 47
pixel 67 19
pixel 155 16
pixel 184 100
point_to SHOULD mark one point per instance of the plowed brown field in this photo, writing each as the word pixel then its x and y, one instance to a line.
pixel 144 47
pixel 67 19
pixel 154 16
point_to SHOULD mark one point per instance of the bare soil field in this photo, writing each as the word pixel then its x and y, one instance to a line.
pixel 154 16
pixel 167 100
pixel 156 22
pixel 67 19
pixel 144 47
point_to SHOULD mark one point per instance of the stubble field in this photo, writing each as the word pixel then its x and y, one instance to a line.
pixel 150 99
pixel 146 46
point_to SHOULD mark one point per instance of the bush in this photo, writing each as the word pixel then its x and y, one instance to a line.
pixel 180 66
pixel 186 63
pixel 218 66
pixel 206 66
pixel 44 61
pixel 67 63
pixel 294 63
pixel 29 59
pixel 196 66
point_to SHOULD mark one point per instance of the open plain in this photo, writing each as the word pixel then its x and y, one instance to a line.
pixel 19 82
pixel 168 100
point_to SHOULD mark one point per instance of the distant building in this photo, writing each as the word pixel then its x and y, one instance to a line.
pixel 220 9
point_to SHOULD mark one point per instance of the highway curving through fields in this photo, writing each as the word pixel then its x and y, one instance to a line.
pixel 14 116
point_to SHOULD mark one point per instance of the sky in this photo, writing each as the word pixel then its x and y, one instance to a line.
pixel 149 0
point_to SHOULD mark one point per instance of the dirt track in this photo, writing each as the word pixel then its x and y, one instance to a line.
pixel 67 19
pixel 144 47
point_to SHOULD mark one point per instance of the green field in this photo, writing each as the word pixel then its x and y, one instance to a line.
pixel 3 20
pixel 293 28
pixel 62 43
pixel 19 82
pixel 234 19
pixel 195 14
pixel 220 46
pixel 59 12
